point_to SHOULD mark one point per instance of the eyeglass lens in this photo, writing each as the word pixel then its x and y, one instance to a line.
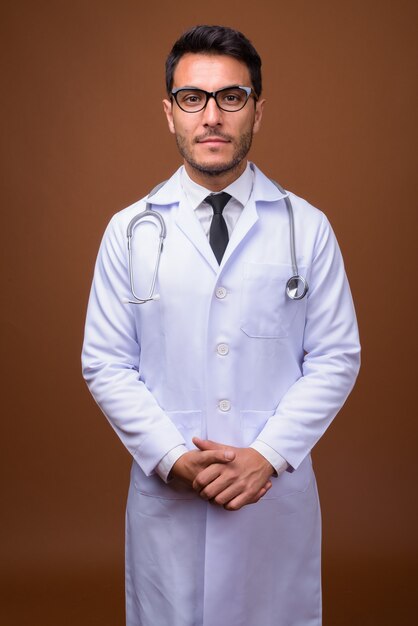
pixel 193 100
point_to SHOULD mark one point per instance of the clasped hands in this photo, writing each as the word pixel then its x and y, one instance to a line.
pixel 228 476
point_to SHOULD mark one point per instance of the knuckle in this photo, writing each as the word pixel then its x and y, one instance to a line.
pixel 197 483
pixel 207 493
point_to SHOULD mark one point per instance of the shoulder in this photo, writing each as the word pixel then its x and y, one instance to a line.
pixel 165 193
pixel 269 190
pixel 303 209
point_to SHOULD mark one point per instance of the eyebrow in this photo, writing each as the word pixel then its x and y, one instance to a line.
pixel 201 88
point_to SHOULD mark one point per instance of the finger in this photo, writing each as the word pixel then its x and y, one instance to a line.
pixel 227 495
pixel 205 477
pixel 212 490
pixel 236 503
pixel 244 498
pixel 208 457
pixel 207 444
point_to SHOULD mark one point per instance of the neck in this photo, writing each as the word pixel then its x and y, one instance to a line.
pixel 212 181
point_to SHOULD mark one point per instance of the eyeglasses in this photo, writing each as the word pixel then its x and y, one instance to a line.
pixel 229 99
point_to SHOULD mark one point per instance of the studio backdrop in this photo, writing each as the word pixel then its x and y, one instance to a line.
pixel 83 136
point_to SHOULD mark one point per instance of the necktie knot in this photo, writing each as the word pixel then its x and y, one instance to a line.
pixel 218 201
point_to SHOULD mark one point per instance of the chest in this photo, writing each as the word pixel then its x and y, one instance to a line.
pixel 247 293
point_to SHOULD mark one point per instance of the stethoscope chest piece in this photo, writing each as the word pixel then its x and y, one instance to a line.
pixel 296 287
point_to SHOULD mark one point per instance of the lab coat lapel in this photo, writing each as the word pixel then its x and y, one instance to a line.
pixel 185 218
pixel 246 222
pixel 264 191
pixel 189 224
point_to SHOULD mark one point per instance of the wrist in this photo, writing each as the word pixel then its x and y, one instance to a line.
pixel 278 463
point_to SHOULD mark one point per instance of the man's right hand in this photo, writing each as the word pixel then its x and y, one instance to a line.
pixel 188 466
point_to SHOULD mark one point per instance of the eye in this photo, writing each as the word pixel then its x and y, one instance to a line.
pixel 233 97
pixel 191 98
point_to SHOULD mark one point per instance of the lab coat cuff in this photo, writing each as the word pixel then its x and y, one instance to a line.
pixel 154 447
pixel 163 468
pixel 274 458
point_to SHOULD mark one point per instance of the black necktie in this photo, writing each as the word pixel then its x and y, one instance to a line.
pixel 218 233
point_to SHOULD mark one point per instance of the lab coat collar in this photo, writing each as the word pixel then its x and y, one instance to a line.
pixel 240 189
pixel 171 193
pixel 264 190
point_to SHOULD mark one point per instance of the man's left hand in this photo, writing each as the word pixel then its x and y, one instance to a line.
pixel 242 481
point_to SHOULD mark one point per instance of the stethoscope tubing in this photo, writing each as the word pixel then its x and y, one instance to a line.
pixel 150 215
pixel 296 278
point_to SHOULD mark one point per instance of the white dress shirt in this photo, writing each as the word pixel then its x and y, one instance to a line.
pixel 240 191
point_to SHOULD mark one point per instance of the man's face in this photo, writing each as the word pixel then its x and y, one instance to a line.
pixel 213 142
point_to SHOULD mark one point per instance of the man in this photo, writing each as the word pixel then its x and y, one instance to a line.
pixel 221 385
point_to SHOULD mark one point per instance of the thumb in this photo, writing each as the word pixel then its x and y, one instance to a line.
pixel 207 444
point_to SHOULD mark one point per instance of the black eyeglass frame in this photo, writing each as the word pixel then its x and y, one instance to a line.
pixel 213 94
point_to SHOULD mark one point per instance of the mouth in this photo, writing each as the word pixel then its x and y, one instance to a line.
pixel 212 140
pixel 213 143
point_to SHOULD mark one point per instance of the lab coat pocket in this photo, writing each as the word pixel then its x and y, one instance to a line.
pixel 288 483
pixel 266 310
pixel 252 423
pixel 189 423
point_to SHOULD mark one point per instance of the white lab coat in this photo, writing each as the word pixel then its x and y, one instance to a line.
pixel 156 373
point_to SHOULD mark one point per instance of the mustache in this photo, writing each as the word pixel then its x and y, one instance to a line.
pixel 212 133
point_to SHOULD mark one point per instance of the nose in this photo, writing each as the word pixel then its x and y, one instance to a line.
pixel 212 114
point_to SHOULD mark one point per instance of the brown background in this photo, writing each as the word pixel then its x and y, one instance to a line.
pixel 83 135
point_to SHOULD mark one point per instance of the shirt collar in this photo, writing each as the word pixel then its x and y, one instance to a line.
pixel 171 191
pixel 240 189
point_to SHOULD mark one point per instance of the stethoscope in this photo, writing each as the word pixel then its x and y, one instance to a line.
pixel 296 287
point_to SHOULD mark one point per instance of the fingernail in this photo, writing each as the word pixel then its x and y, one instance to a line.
pixel 229 455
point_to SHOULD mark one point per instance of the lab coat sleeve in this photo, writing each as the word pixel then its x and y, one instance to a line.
pixel 110 359
pixel 332 357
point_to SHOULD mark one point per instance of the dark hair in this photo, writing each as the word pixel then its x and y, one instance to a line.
pixel 215 40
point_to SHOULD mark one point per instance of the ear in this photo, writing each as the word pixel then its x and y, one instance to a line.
pixel 168 110
pixel 259 108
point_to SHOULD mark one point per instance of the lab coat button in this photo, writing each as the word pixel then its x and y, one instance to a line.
pixel 222 349
pixel 220 292
pixel 224 405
